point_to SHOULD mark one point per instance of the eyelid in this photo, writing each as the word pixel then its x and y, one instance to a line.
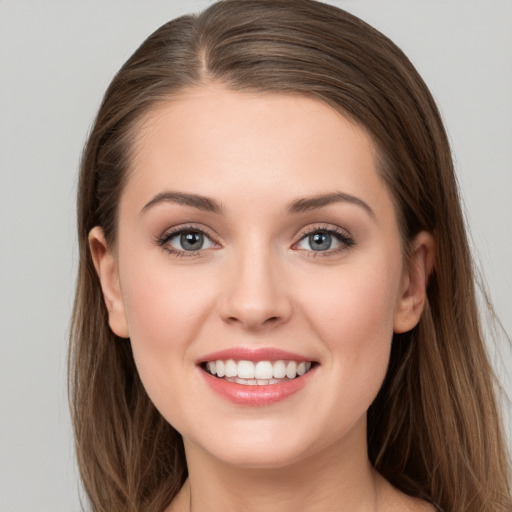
pixel 163 239
pixel 342 235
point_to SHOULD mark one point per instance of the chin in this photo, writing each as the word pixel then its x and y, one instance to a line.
pixel 259 448
pixel 262 458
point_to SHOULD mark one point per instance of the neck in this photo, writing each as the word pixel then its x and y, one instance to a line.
pixel 339 478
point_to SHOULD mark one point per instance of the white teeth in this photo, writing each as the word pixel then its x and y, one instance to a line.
pixel 291 370
pixel 231 368
pixel 245 369
pixel 260 373
pixel 219 365
pixel 279 370
pixel 247 382
pixel 263 370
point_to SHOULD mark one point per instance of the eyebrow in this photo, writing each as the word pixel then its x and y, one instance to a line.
pixel 312 203
pixel 301 205
pixel 196 201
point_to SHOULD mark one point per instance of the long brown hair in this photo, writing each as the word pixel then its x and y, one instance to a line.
pixel 434 429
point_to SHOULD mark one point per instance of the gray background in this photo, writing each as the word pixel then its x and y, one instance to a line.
pixel 56 59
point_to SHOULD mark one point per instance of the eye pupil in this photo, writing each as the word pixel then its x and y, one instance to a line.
pixel 191 240
pixel 320 241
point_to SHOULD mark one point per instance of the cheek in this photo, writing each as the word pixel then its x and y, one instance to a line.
pixel 165 311
pixel 161 298
pixel 362 299
pixel 353 313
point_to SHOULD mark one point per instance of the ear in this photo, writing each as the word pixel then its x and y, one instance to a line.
pixel 106 268
pixel 413 293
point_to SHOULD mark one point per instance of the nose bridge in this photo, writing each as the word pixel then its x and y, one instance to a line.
pixel 255 295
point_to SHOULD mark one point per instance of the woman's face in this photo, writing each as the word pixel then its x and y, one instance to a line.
pixel 257 239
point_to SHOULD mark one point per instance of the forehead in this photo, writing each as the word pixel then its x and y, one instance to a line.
pixel 210 141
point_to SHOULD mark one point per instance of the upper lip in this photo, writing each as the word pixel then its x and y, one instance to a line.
pixel 253 354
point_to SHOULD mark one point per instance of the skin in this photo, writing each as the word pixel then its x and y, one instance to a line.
pixel 258 283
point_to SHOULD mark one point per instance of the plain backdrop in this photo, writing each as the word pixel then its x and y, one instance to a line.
pixel 56 59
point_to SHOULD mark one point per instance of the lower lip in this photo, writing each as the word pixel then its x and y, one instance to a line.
pixel 256 396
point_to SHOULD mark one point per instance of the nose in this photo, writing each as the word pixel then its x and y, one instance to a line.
pixel 255 294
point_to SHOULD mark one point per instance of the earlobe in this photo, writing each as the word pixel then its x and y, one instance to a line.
pixel 106 267
pixel 413 293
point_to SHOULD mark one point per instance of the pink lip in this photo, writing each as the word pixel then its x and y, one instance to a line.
pixel 256 395
pixel 248 354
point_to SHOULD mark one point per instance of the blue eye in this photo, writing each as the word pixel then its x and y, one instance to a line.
pixel 186 240
pixel 323 240
pixel 320 241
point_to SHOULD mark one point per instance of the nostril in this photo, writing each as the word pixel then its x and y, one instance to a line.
pixel 254 307
pixel 271 320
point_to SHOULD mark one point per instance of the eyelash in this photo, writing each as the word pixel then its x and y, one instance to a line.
pixel 163 240
pixel 344 238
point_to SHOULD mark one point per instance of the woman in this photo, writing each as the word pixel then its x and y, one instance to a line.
pixel 275 306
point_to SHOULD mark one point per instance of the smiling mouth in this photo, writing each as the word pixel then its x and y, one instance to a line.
pixel 257 373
